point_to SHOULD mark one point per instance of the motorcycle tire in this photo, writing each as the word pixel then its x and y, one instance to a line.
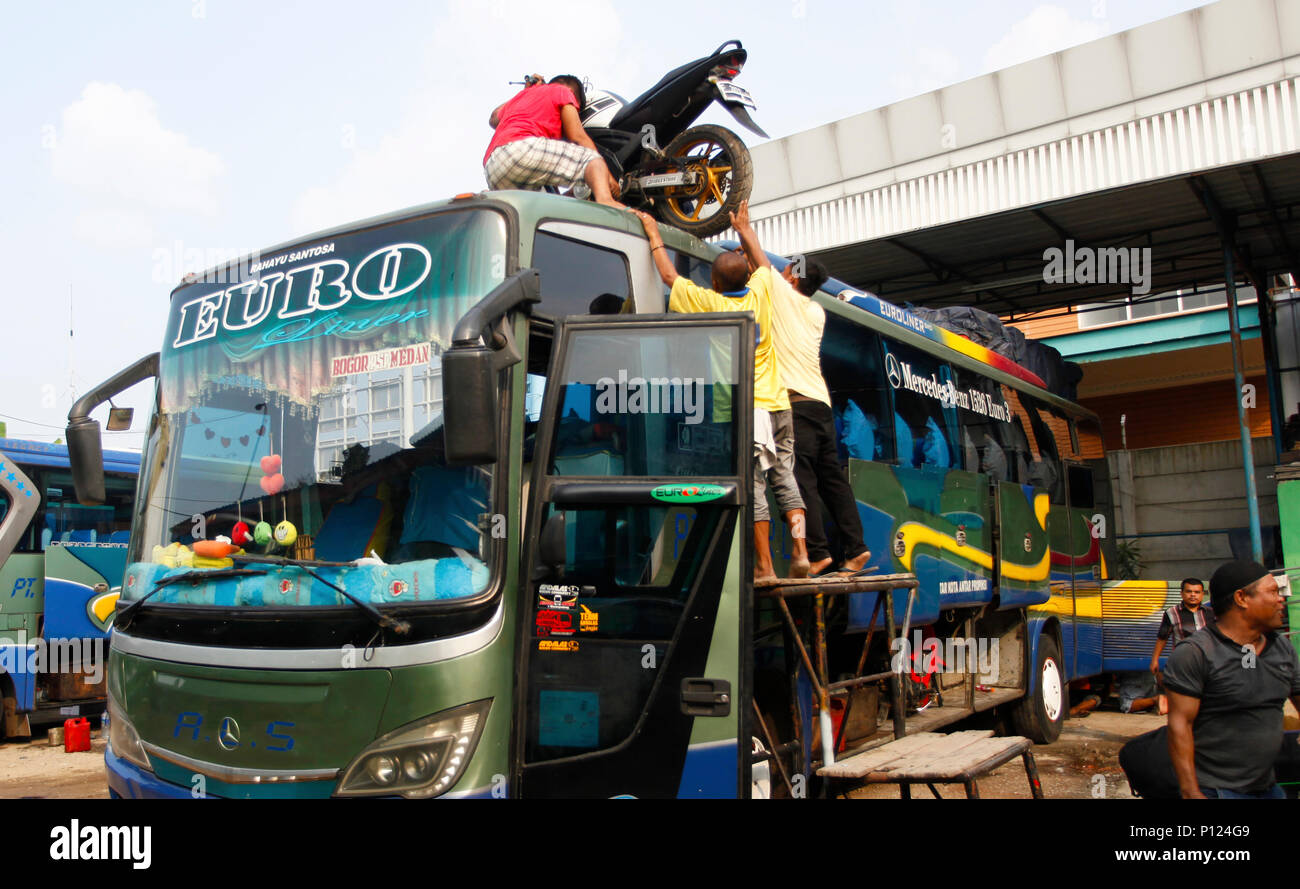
pixel 729 176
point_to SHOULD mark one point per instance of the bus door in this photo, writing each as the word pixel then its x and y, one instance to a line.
pixel 637 577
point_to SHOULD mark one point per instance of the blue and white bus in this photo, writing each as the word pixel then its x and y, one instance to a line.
pixel 61 567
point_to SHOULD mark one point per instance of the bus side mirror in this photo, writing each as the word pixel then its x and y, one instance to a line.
pixel 482 345
pixel 86 457
pixel 552 551
pixel 469 405
pixel 119 419
pixel 85 448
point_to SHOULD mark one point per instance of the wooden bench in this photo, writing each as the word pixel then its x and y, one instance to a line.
pixel 930 758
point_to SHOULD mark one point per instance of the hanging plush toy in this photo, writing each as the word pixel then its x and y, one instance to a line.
pixel 272 480
pixel 285 534
pixel 262 533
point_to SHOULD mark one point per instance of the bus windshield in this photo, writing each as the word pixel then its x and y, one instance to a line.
pixel 299 415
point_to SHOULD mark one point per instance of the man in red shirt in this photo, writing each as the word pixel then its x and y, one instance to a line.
pixel 540 141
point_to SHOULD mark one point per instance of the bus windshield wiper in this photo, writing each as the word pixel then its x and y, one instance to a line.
pixel 123 619
pixel 398 626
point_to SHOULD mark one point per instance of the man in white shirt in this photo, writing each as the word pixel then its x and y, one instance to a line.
pixel 797 326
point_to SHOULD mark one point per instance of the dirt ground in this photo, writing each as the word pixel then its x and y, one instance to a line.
pixel 1067 769
pixel 1087 748
pixel 34 770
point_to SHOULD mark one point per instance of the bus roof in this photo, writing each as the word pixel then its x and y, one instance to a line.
pixel 39 453
pixel 533 207
pixel 869 302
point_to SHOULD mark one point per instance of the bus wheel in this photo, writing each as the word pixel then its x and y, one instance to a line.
pixel 1040 716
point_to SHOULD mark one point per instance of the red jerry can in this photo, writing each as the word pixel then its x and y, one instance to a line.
pixel 76 735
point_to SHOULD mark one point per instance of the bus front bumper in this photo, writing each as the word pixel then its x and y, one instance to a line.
pixel 126 780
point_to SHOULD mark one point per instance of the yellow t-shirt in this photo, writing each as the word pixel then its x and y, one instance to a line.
pixel 687 296
pixel 798 324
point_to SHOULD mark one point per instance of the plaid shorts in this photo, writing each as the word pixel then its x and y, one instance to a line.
pixel 535 163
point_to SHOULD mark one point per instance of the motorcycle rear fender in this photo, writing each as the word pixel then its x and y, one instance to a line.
pixel 741 114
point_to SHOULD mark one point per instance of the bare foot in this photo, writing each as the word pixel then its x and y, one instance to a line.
pixel 819 566
pixel 763 578
pixel 857 562
pixel 799 567
pixel 615 204
pixel 1162 705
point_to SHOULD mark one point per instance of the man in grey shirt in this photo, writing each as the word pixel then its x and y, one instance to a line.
pixel 1227 685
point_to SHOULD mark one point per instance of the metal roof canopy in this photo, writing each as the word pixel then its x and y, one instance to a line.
pixel 1210 226
pixel 996 262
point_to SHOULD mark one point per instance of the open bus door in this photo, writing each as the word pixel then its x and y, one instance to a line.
pixel 634 646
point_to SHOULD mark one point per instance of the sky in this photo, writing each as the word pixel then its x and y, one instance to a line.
pixel 145 140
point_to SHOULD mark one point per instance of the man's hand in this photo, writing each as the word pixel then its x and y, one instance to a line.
pixel 651 226
pixel 740 219
pixel 748 239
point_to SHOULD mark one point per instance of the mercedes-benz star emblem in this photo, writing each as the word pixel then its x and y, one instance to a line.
pixel 892 371
pixel 228 735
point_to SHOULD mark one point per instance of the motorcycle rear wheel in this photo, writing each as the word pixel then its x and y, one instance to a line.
pixel 727 176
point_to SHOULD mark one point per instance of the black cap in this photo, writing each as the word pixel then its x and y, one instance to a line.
pixel 1230 577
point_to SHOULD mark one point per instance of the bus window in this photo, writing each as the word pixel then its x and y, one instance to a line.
pixel 1090 443
pixel 925 408
pixel 986 427
pixel 63 520
pixel 1082 494
pixel 698 270
pixel 579 279
pixel 1047 472
pixel 855 375
pixel 621 415
pixel 1023 450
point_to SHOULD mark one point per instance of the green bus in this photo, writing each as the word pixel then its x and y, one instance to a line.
pixel 443 503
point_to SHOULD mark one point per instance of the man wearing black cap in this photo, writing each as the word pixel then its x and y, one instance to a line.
pixel 1226 689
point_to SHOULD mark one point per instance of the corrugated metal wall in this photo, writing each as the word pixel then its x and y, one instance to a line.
pixel 1247 125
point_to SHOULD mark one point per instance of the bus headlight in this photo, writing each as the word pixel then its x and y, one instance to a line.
pixel 124 739
pixel 423 759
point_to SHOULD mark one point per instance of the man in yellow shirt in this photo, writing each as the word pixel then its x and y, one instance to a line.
pixel 797 327
pixel 735 290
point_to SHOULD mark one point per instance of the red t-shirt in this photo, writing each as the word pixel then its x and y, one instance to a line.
pixel 535 111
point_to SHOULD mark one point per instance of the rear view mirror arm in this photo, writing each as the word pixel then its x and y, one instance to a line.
pixel 143 369
pixel 85 448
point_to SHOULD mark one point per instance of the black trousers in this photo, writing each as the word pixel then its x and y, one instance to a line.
pixel 817 470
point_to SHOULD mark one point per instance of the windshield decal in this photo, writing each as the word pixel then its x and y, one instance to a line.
pixel 389 272
pixel 383 359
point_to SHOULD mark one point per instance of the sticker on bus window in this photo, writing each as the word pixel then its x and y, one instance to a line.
pixel 384 359
pixel 557 645
pixel 588 620
pixel 687 493
pixel 551 622
pixel 551 595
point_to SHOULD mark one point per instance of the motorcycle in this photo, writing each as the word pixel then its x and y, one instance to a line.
pixel 703 172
